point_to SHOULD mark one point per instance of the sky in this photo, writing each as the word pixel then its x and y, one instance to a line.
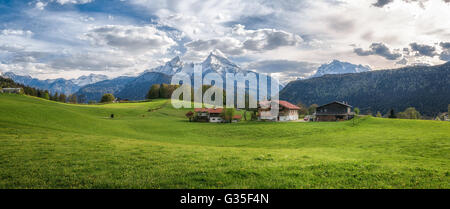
pixel 288 39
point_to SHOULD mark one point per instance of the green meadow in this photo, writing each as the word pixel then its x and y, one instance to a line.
pixel 44 144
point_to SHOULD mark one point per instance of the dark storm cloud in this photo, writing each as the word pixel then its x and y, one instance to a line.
pixel 423 50
pixel 379 49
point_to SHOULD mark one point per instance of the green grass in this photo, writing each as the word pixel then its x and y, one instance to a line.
pixel 45 144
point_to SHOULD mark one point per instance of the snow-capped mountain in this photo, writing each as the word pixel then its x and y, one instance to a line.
pixel 89 79
pixel 338 67
pixel 219 63
pixel 170 68
pixel 59 85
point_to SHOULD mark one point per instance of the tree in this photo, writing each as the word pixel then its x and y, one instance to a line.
pixel 45 95
pixel 303 109
pixel 409 113
pixel 357 111
pixel 62 98
pixel 153 93
pixel 73 99
pixel 312 109
pixel 106 98
pixel 227 114
pixel 448 108
pixel 55 96
pixel 164 91
pixel 392 114
pixel 379 114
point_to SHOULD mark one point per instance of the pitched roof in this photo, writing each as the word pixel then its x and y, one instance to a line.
pixel 285 104
pixel 209 110
pixel 336 103
pixel 288 105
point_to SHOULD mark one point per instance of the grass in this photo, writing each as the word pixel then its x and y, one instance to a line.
pixel 45 144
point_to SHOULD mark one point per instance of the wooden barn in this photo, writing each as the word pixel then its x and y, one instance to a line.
pixel 334 111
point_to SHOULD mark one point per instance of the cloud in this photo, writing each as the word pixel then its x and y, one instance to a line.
pixel 12 32
pixel 134 39
pixel 379 49
pixel 423 50
pixel 62 2
pixel 240 41
pixel 382 3
pixel 284 69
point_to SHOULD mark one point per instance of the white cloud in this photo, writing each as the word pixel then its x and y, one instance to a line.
pixel 239 41
pixel 134 39
pixel 12 32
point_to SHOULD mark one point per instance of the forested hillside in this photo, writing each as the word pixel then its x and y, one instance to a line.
pixel 425 88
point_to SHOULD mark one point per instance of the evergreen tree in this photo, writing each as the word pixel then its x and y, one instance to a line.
pixel 392 114
pixel 73 99
pixel 62 98
pixel 153 93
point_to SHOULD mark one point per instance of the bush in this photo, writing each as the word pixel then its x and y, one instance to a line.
pixel 409 113
pixel 106 98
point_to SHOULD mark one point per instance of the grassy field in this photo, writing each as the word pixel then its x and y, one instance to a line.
pixel 45 144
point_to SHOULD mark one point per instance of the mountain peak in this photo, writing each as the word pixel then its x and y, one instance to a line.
pixel 339 67
pixel 217 58
pixel 217 53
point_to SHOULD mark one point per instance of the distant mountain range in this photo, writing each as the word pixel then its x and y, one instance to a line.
pixel 136 88
pixel 59 85
pixel 425 88
pixel 338 67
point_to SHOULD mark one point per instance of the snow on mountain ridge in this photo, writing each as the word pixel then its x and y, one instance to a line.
pixel 338 67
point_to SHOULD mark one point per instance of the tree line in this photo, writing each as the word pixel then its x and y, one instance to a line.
pixel 44 94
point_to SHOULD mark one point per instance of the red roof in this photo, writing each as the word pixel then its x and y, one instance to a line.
pixel 288 105
pixel 209 110
pixel 285 104
pixel 237 117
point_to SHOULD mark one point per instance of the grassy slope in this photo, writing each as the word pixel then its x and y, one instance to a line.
pixel 51 145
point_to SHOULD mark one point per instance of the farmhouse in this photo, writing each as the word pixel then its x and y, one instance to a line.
pixel 334 111
pixel 11 90
pixel 286 112
pixel 212 115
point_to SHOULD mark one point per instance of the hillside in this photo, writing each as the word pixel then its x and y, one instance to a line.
pixel 137 89
pixel 95 91
pixel 425 88
pixel 45 144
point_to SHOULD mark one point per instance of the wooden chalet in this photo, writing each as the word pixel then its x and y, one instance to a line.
pixel 334 111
